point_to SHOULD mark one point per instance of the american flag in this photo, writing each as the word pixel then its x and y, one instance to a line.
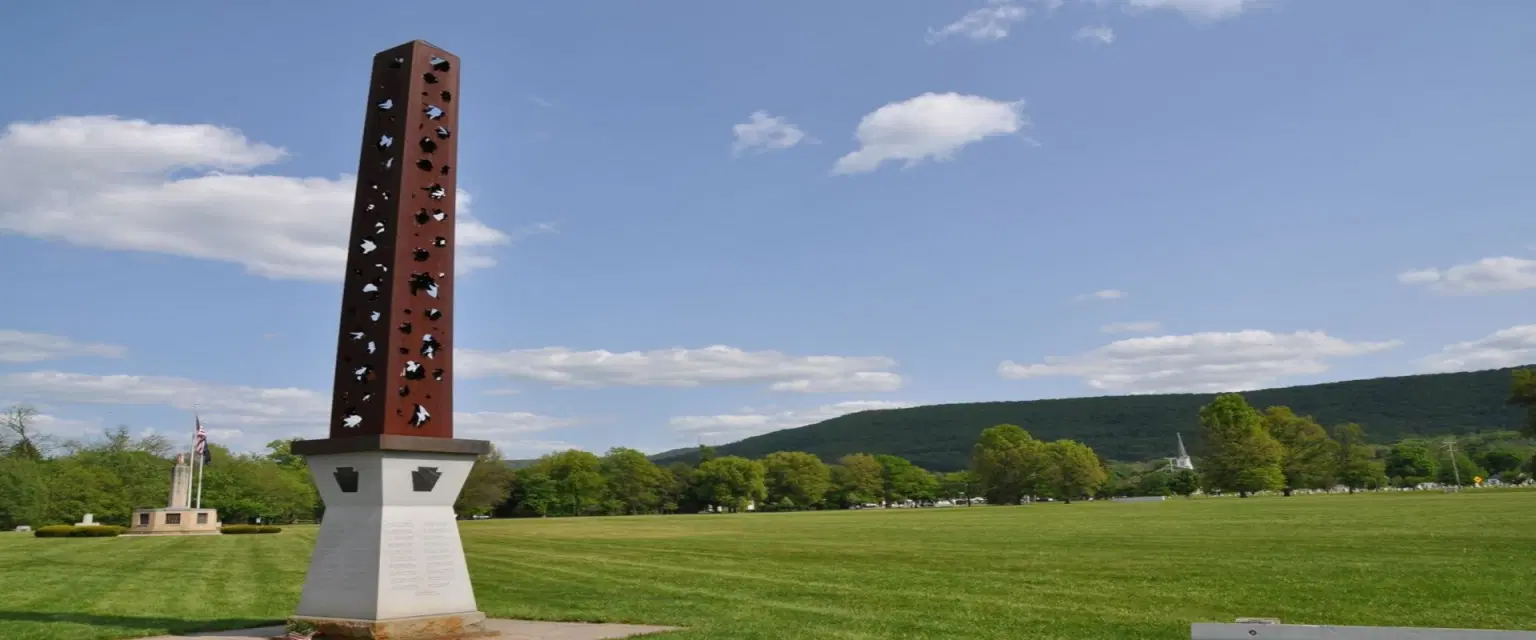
pixel 200 444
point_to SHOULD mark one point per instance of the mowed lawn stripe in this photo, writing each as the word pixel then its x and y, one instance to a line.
pixel 898 585
pixel 715 608
pixel 46 580
pixel 1088 570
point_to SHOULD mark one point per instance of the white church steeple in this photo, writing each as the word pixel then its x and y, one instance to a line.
pixel 1183 461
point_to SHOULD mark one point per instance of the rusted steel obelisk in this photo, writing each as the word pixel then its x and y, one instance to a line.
pixel 388 562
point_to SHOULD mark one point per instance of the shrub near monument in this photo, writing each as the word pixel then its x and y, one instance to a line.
pixel 73 531
pixel 240 529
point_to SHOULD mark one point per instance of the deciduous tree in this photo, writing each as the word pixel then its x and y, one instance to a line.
pixel 1072 470
pixel 731 482
pixel 1500 459
pixel 634 482
pixel 247 487
pixel 1007 463
pixel 18 426
pixel 1308 455
pixel 577 478
pixel 1463 470
pixel 1412 462
pixel 678 494
pixel 1357 467
pixel 1242 456
pixel 489 484
pixel 1184 482
pixel 958 484
pixel 281 453
pixel 1522 393
pixel 533 494
pixel 858 479
pixel 800 478
pixel 1154 483
pixel 900 480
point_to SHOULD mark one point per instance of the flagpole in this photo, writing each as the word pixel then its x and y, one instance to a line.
pixel 193 454
pixel 201 466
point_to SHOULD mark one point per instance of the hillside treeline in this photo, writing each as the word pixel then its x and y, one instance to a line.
pixel 1143 427
pixel 1247 450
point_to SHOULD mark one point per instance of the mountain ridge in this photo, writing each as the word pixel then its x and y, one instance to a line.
pixel 1140 427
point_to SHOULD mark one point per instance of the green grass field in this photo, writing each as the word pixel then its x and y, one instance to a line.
pixel 1093 570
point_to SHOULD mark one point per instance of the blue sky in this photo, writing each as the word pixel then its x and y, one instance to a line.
pixel 708 221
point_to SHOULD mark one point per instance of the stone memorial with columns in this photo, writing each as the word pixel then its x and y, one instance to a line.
pixel 178 518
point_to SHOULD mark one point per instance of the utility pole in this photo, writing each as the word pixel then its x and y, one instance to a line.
pixel 1450 447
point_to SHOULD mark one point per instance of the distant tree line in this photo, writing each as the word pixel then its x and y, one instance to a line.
pixel 1244 451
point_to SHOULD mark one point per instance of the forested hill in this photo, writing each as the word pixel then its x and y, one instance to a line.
pixel 939 437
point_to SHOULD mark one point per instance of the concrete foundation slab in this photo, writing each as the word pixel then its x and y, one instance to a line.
pixel 469 624
pixel 502 628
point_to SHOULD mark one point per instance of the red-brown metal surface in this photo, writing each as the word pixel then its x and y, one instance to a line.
pixel 394 358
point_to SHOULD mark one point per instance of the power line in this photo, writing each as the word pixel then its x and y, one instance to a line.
pixel 1450 447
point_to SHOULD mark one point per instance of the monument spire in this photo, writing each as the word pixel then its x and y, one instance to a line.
pixel 388 562
pixel 394 355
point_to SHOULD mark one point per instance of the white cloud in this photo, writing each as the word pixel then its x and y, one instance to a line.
pixel 221 405
pixel 854 382
pixel 750 422
pixel 764 132
pixel 715 365
pixel 535 229
pixel 984 24
pixel 21 346
pixel 506 430
pixel 487 423
pixel 1504 348
pixel 233 409
pixel 1095 35
pixel 525 449
pixel 1201 362
pixel 68 428
pixel 1199 10
pixel 929 126
pixel 186 190
pixel 224 435
pixel 1489 275
pixel 1132 327
pixel 992 22
pixel 1104 294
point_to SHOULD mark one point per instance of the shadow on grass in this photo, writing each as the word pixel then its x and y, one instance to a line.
pixel 173 626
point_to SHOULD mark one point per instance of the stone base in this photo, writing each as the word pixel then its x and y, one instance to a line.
pixel 388 547
pixel 453 626
pixel 173 522
pixel 500 629
pixel 141 534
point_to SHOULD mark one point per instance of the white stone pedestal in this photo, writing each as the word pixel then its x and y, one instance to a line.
pixel 389 544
